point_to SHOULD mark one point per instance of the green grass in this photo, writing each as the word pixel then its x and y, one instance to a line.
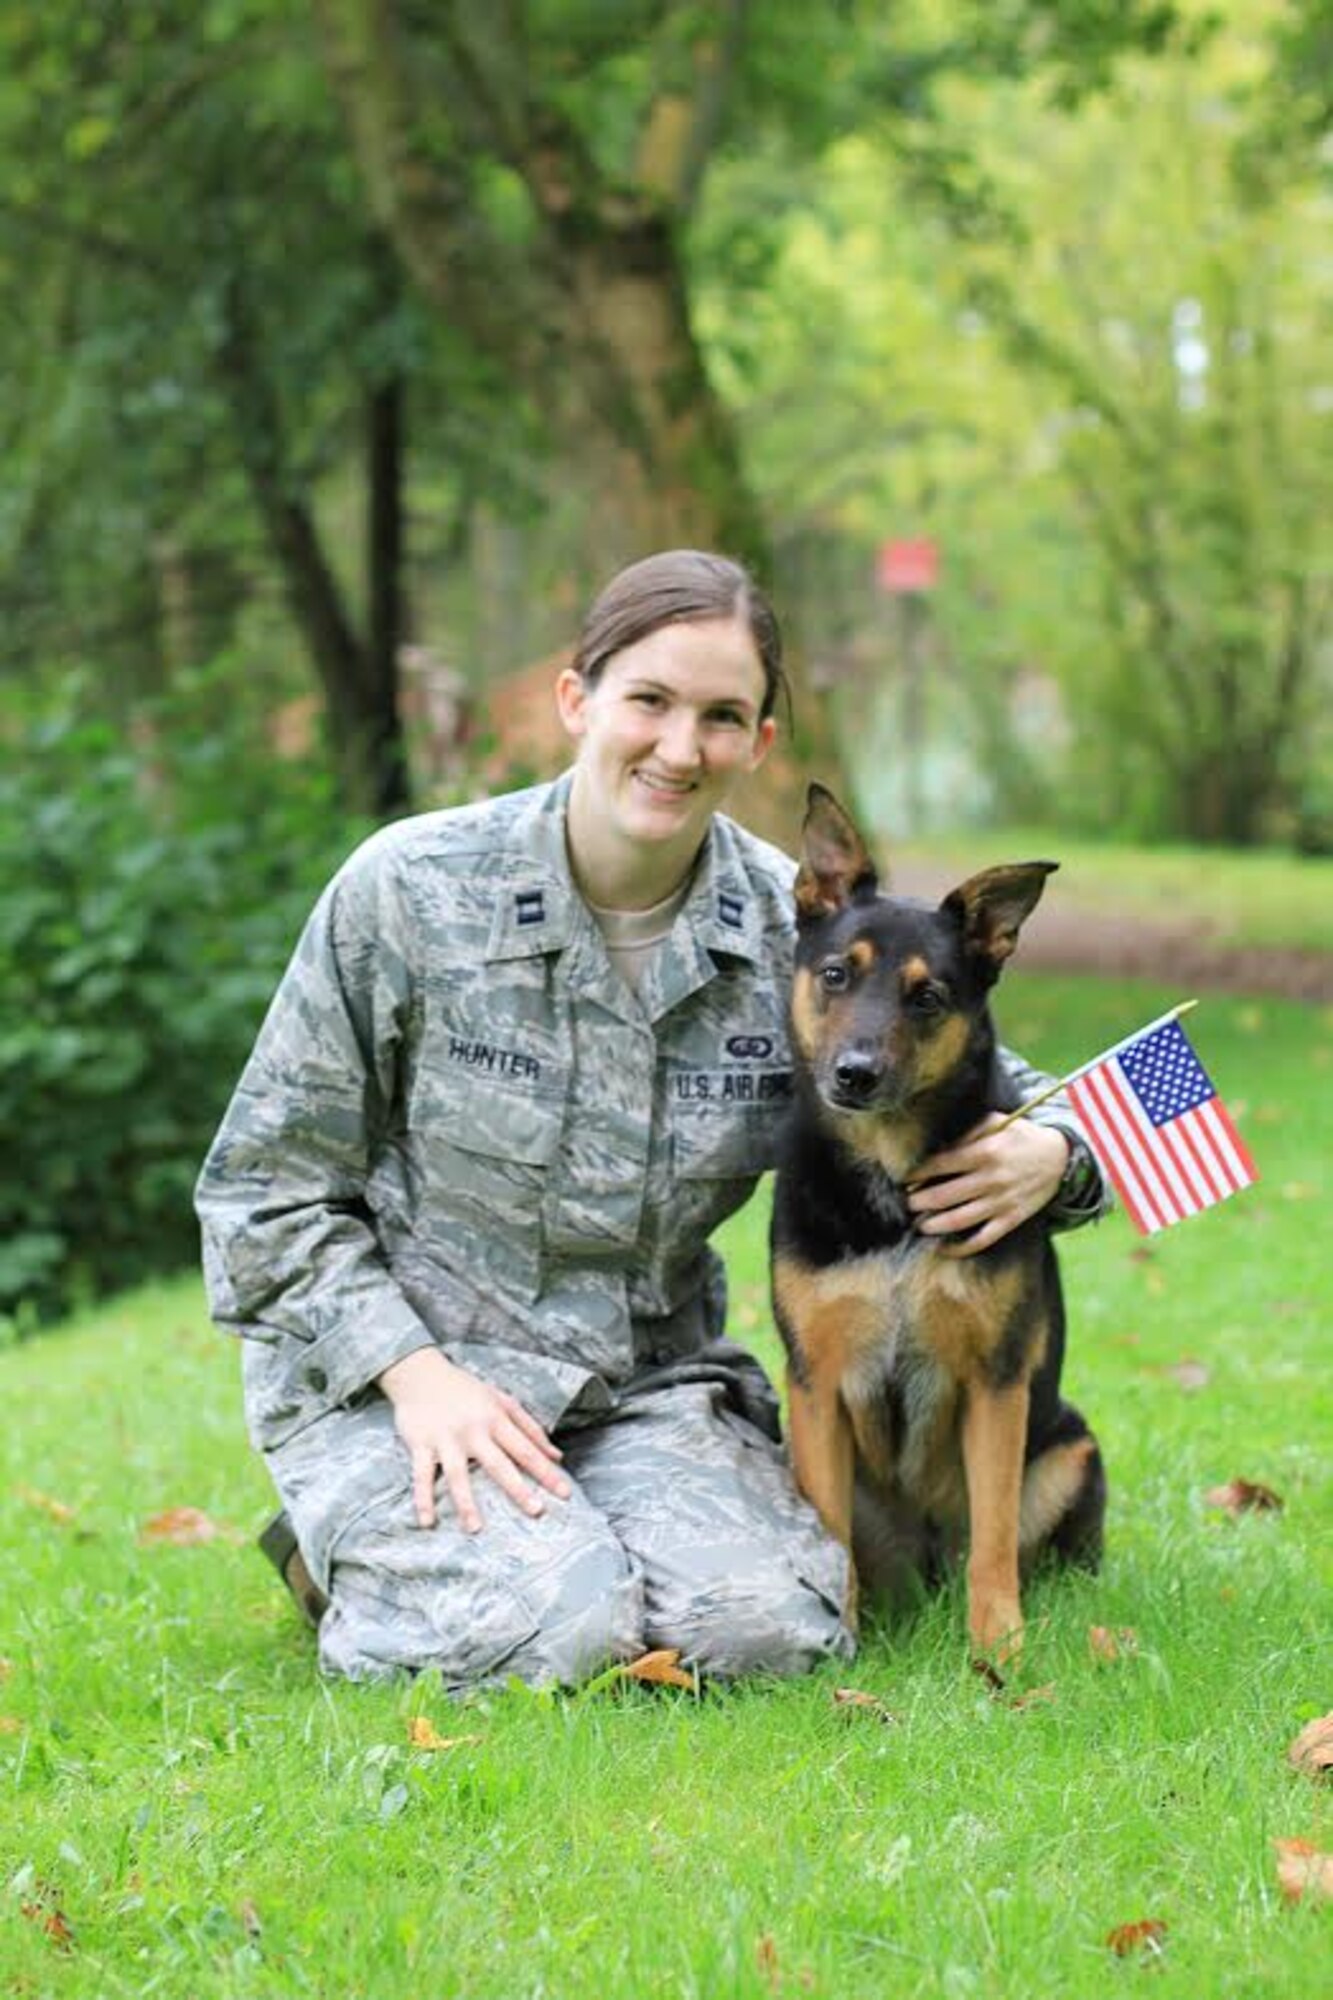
pixel 1241 897
pixel 213 1820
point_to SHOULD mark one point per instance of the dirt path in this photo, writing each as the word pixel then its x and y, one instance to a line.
pixel 1121 944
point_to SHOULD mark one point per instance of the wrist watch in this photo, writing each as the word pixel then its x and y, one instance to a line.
pixel 1081 1180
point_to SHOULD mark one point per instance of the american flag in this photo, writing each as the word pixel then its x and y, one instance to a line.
pixel 1160 1129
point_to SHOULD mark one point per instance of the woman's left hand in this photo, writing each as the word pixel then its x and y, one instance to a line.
pixel 988 1183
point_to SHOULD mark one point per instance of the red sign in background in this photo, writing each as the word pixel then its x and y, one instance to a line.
pixel 908 565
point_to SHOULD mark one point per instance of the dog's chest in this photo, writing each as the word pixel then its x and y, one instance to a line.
pixel 936 1315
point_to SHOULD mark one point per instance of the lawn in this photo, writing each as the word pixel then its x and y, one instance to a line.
pixel 189 1811
pixel 1241 897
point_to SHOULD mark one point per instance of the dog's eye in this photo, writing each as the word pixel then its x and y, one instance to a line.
pixel 833 977
pixel 926 1000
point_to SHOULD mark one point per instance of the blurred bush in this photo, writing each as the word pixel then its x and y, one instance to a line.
pixel 155 887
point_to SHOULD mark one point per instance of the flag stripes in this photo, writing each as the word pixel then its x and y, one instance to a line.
pixel 1167 1169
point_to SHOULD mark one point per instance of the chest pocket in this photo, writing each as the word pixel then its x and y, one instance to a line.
pixel 717 1154
pixel 719 1144
pixel 483 1153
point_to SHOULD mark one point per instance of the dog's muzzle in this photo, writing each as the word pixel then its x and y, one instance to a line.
pixel 857 1075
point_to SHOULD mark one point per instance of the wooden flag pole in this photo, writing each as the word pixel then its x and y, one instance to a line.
pixel 1062 1082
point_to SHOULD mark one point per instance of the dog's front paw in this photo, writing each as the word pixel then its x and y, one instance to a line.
pixel 995 1626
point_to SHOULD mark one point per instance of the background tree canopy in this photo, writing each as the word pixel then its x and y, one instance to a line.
pixel 349 344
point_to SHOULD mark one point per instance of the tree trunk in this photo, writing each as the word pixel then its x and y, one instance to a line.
pixel 359 681
pixel 593 325
pixel 386 750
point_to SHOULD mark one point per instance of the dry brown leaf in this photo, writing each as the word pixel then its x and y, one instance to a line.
pixel 1302 1870
pixel 185 1526
pixel 10 1725
pixel 249 1916
pixel 1189 1373
pixel 1312 1750
pixel 1046 1692
pixel 998 1687
pixel 1109 1642
pixel 44 1909
pixel 423 1735
pixel 1148 1935
pixel 1243 1496
pixel 660 1669
pixel 55 1508
pixel 857 1701
pixel 6 1668
pixel 766 1958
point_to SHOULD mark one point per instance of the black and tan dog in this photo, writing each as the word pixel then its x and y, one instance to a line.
pixel 925 1388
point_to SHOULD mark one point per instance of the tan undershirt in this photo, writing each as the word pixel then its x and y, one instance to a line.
pixel 632 936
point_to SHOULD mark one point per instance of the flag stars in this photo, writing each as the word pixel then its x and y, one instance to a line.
pixel 1165 1074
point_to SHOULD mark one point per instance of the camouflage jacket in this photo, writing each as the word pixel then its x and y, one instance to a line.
pixel 460 1126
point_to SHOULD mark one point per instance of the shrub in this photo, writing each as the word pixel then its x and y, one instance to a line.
pixel 152 897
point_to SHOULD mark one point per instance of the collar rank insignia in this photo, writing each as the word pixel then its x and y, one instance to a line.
pixel 530 906
pixel 730 911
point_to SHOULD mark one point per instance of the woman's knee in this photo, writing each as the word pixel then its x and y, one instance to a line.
pixel 786 1627
pixel 542 1602
pixel 585 1614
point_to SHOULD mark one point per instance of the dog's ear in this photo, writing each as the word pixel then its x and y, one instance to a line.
pixel 835 862
pixel 992 907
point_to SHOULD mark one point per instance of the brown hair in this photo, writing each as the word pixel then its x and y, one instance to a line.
pixel 668 589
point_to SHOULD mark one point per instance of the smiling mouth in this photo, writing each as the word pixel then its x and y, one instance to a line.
pixel 666 788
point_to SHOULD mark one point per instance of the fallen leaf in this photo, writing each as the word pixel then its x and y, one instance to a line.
pixel 1141 1254
pixel 249 1916
pixel 10 1725
pixel 1112 1642
pixel 1312 1750
pixel 998 1687
pixel 1302 1870
pixel 44 1909
pixel 185 1526
pixel 6 1668
pixel 856 1700
pixel 766 1958
pixel 1148 1935
pixel 55 1508
pixel 660 1669
pixel 1189 1373
pixel 423 1735
pixel 1243 1496
pixel 1046 1692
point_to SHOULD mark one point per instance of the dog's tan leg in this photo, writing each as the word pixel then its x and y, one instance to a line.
pixel 994 1435
pixel 824 1460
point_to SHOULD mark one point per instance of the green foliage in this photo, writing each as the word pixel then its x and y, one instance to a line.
pixel 215 1821
pixel 1080 342
pixel 152 898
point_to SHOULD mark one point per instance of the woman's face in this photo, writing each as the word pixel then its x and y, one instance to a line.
pixel 671 725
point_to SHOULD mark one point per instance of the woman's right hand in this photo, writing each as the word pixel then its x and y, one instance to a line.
pixel 451 1420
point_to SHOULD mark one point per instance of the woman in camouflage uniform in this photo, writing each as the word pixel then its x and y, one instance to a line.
pixel 528 1055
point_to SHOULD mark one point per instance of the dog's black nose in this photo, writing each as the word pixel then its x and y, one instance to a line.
pixel 856 1073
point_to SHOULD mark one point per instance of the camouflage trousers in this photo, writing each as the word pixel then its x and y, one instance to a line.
pixel 683 1529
